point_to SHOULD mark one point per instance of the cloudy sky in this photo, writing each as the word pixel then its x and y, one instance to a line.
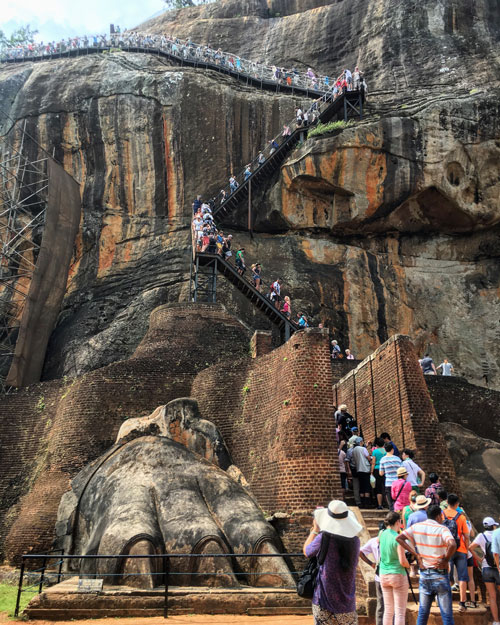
pixel 58 19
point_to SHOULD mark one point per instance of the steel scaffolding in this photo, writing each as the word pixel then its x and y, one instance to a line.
pixel 23 204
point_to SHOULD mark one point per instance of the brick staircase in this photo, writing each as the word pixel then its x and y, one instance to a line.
pixel 473 616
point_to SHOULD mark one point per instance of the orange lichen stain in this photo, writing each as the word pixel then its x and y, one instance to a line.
pixel 75 262
pixel 171 180
pixel 374 182
pixel 110 234
pixel 321 251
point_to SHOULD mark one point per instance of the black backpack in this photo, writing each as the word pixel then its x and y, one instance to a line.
pixel 451 524
pixel 488 554
pixel 307 580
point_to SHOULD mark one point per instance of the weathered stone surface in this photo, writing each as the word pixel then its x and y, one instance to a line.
pixel 477 462
pixel 154 494
pixel 452 43
pixel 180 421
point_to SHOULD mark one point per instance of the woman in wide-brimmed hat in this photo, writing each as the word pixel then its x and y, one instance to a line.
pixel 334 599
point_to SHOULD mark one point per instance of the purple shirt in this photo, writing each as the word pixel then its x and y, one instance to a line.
pixel 335 589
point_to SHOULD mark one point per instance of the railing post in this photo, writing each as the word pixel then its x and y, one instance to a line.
pixel 166 568
pixel 345 107
pixel 42 575
pixel 250 207
pixel 19 588
pixel 59 572
pixel 214 283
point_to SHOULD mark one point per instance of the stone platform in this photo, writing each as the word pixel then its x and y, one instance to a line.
pixel 63 602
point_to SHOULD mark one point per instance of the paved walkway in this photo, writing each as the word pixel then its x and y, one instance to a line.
pixel 190 619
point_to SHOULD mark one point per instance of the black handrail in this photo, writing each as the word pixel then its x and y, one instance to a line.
pixel 165 557
pixel 266 302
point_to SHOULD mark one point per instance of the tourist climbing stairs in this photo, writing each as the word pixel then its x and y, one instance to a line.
pixel 473 616
pixel 345 106
pixel 210 265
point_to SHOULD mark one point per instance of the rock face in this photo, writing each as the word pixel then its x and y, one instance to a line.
pixel 477 462
pixel 390 226
pixel 450 42
pixel 154 494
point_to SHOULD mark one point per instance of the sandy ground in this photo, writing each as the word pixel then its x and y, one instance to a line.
pixel 190 619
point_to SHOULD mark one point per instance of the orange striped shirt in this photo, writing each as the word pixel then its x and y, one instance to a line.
pixel 431 540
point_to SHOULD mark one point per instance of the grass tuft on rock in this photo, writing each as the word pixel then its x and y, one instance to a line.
pixel 324 129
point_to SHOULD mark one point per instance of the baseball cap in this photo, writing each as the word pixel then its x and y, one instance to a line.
pixel 354 429
pixel 489 521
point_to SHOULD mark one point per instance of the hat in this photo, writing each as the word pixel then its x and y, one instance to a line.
pixel 402 471
pixel 358 440
pixel 337 519
pixel 354 429
pixel 489 521
pixel 422 502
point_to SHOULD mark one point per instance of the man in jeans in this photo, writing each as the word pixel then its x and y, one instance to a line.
pixel 433 545
pixel 459 559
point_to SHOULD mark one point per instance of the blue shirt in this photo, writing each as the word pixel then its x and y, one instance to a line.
pixel 416 517
pixel 389 464
pixel 495 541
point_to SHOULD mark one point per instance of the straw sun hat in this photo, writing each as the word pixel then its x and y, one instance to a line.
pixel 337 519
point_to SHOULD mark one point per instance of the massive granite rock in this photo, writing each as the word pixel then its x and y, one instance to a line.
pixel 389 226
pixel 162 489
pixel 450 42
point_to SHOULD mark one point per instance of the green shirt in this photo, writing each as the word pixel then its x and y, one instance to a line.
pixel 378 454
pixel 389 559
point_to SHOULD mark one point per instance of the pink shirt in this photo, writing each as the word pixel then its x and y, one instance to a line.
pixel 404 496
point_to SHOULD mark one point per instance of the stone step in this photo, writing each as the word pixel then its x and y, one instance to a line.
pixel 477 616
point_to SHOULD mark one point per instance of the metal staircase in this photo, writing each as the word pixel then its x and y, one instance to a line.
pixel 204 284
pixel 345 106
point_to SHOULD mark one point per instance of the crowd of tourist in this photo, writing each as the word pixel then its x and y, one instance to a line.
pixel 209 239
pixel 189 50
pixel 425 531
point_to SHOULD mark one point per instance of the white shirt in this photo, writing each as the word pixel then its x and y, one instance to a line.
pixel 446 367
pixel 413 469
pixel 372 548
pixel 480 540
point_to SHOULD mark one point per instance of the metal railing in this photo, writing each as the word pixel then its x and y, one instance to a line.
pixel 183 50
pixel 46 578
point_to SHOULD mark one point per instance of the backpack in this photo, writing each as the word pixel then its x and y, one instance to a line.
pixel 488 554
pixel 307 580
pixel 451 524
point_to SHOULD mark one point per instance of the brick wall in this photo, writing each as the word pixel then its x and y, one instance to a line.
pixel 51 430
pixel 274 413
pixel 387 392
pixel 474 407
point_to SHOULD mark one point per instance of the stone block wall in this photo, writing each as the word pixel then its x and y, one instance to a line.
pixel 53 429
pixel 473 407
pixel 387 392
pixel 275 414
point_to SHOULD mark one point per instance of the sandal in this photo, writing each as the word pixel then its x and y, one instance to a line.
pixel 462 607
pixel 470 604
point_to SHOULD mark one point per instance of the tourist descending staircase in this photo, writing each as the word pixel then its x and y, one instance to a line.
pixel 345 106
pixel 204 284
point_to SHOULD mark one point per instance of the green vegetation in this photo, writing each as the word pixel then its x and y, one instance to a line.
pixel 8 596
pixel 41 404
pixel 180 4
pixel 323 129
pixel 19 37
